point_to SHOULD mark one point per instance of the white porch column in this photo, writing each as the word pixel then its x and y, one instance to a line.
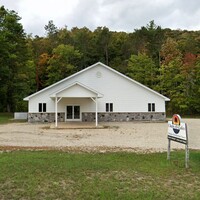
pixel 96 112
pixel 56 112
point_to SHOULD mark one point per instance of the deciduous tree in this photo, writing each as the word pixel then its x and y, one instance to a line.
pixel 142 69
pixel 171 79
pixel 13 58
pixel 63 63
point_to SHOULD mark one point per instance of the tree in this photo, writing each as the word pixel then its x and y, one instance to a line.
pixel 120 48
pixel 62 63
pixel 13 59
pixel 101 38
pixel 24 85
pixel 191 74
pixel 195 100
pixel 142 69
pixel 41 70
pixel 52 34
pixel 170 52
pixel 171 79
pixel 82 40
pixel 39 48
pixel 51 29
pixel 149 40
pixel 188 71
pixel 65 36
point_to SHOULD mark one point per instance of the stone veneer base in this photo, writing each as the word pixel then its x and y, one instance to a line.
pixel 102 117
pixel 45 117
pixel 124 117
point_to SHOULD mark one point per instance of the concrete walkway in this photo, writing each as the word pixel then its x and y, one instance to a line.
pixel 77 125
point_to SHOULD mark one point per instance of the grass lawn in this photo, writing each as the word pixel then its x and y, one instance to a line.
pixel 5 117
pixel 61 175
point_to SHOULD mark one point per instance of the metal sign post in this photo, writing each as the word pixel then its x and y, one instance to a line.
pixel 177 131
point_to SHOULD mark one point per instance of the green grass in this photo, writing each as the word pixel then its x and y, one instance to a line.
pixel 60 175
pixel 5 117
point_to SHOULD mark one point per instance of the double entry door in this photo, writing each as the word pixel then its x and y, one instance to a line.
pixel 73 113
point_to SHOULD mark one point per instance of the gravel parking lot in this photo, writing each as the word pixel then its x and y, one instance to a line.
pixel 123 136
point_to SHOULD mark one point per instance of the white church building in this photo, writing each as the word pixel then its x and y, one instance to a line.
pixel 97 93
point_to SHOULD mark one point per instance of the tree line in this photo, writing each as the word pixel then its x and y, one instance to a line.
pixel 165 60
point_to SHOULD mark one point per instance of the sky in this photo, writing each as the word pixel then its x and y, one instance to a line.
pixel 117 15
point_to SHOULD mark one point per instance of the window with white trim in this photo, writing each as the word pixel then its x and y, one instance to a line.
pixel 109 107
pixel 151 107
pixel 42 107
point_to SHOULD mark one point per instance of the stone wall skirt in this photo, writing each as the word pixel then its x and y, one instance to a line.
pixel 120 117
pixel 102 117
pixel 45 117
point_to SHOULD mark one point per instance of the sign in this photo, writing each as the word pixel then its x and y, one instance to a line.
pixel 177 130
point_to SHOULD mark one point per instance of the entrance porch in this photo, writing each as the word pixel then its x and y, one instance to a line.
pixel 75 99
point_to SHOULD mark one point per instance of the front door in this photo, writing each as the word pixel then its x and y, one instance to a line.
pixel 73 113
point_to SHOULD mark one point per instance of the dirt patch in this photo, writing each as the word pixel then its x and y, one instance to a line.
pixel 126 136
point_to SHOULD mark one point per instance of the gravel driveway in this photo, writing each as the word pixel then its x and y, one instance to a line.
pixel 124 136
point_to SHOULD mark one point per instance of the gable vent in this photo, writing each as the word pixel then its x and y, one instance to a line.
pixel 98 74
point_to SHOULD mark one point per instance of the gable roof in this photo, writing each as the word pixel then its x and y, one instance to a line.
pixel 88 91
pixel 92 66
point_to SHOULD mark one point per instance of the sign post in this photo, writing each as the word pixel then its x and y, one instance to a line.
pixel 177 131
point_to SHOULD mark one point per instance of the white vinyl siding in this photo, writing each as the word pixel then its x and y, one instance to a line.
pixel 125 95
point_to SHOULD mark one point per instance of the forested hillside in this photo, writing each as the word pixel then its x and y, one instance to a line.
pixel 165 60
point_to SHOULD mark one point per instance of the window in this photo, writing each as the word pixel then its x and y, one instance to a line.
pixel 42 107
pixel 109 107
pixel 151 107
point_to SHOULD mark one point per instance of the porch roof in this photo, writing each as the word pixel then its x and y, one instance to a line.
pixel 76 90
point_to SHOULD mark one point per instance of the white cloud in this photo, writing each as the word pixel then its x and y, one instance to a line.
pixel 125 15
pixel 37 13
